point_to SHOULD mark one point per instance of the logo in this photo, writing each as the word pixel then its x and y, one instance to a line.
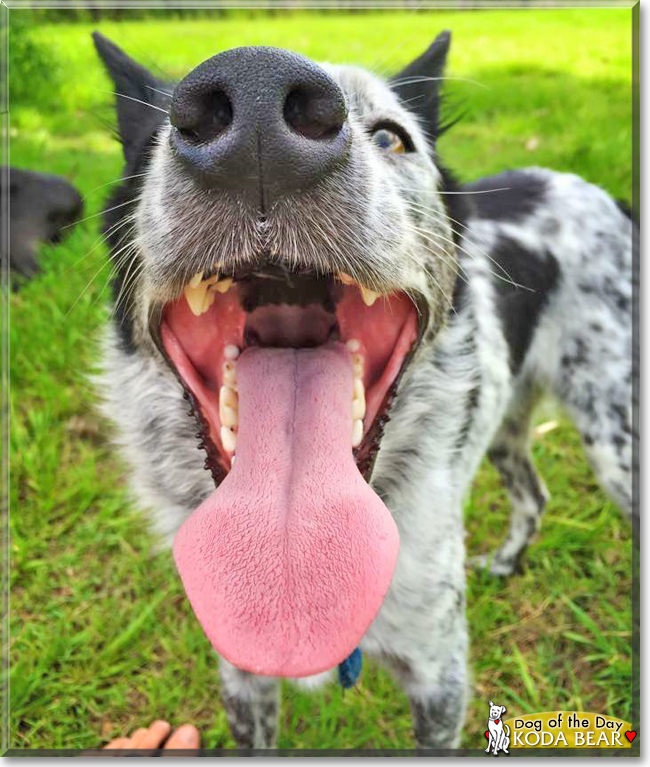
pixel 557 729
pixel 497 733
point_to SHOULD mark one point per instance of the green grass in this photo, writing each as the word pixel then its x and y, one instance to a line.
pixel 103 640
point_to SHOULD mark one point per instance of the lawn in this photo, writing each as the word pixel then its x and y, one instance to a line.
pixel 103 640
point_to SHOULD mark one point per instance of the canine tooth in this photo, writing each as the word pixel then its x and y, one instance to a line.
pixel 228 416
pixel 231 352
pixel 357 365
pixel 357 432
pixel 195 298
pixel 196 280
pixel 369 296
pixel 353 345
pixel 223 286
pixel 229 397
pixel 208 300
pixel 228 439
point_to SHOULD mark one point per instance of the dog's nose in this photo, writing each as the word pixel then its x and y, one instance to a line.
pixel 261 123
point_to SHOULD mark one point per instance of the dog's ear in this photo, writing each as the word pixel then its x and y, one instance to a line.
pixel 141 99
pixel 490 703
pixel 418 85
pixel 503 709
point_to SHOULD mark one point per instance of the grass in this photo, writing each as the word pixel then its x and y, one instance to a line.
pixel 103 639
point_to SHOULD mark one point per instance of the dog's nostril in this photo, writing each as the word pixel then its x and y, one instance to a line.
pixel 209 118
pixel 314 115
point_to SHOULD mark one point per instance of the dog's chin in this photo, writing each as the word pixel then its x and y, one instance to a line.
pixel 291 375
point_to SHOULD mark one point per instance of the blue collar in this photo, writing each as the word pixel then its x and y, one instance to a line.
pixel 350 669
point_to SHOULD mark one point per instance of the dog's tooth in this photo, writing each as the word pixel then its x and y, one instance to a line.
pixel 230 374
pixel 357 365
pixel 369 296
pixel 223 286
pixel 229 397
pixel 196 280
pixel 353 345
pixel 228 439
pixel 208 300
pixel 228 416
pixel 231 352
pixel 358 400
pixel 357 432
pixel 358 409
pixel 195 298
pixel 346 279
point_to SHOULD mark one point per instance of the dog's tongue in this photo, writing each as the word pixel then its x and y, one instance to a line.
pixel 288 561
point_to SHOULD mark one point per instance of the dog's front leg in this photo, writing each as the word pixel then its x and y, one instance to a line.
pixel 438 708
pixel 252 705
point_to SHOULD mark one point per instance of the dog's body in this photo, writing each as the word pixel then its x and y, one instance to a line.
pixel 541 304
pixel 42 208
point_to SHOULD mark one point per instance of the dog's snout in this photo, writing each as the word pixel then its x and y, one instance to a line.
pixel 315 114
pixel 204 118
pixel 260 123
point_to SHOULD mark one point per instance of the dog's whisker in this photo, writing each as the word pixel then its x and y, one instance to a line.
pixel 115 181
pixel 101 213
pixel 414 80
pixel 508 278
pixel 162 93
pixel 139 101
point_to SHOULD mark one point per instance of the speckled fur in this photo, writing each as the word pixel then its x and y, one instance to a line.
pixel 384 219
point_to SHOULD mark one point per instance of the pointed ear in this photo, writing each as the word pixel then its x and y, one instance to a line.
pixel 418 85
pixel 141 100
pixel 491 703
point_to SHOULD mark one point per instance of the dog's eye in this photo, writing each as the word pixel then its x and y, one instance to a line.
pixel 389 140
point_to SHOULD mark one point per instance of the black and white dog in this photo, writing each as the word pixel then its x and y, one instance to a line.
pixel 42 208
pixel 300 285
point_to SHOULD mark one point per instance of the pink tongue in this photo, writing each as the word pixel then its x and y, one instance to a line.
pixel 288 561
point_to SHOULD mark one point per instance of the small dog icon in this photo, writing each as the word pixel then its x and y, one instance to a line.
pixel 498 732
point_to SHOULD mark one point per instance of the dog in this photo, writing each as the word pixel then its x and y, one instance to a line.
pixel 42 208
pixel 289 249
pixel 499 733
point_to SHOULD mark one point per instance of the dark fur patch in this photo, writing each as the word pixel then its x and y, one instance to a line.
pixel 521 193
pixel 520 307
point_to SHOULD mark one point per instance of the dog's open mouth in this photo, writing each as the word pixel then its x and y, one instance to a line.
pixel 288 561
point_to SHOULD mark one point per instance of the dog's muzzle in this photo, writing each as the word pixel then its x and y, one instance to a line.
pixel 260 123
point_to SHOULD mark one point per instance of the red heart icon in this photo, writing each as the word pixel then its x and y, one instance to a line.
pixel 487 735
pixel 496 721
pixel 630 735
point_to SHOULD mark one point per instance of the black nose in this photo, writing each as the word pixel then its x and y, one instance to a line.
pixel 262 123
